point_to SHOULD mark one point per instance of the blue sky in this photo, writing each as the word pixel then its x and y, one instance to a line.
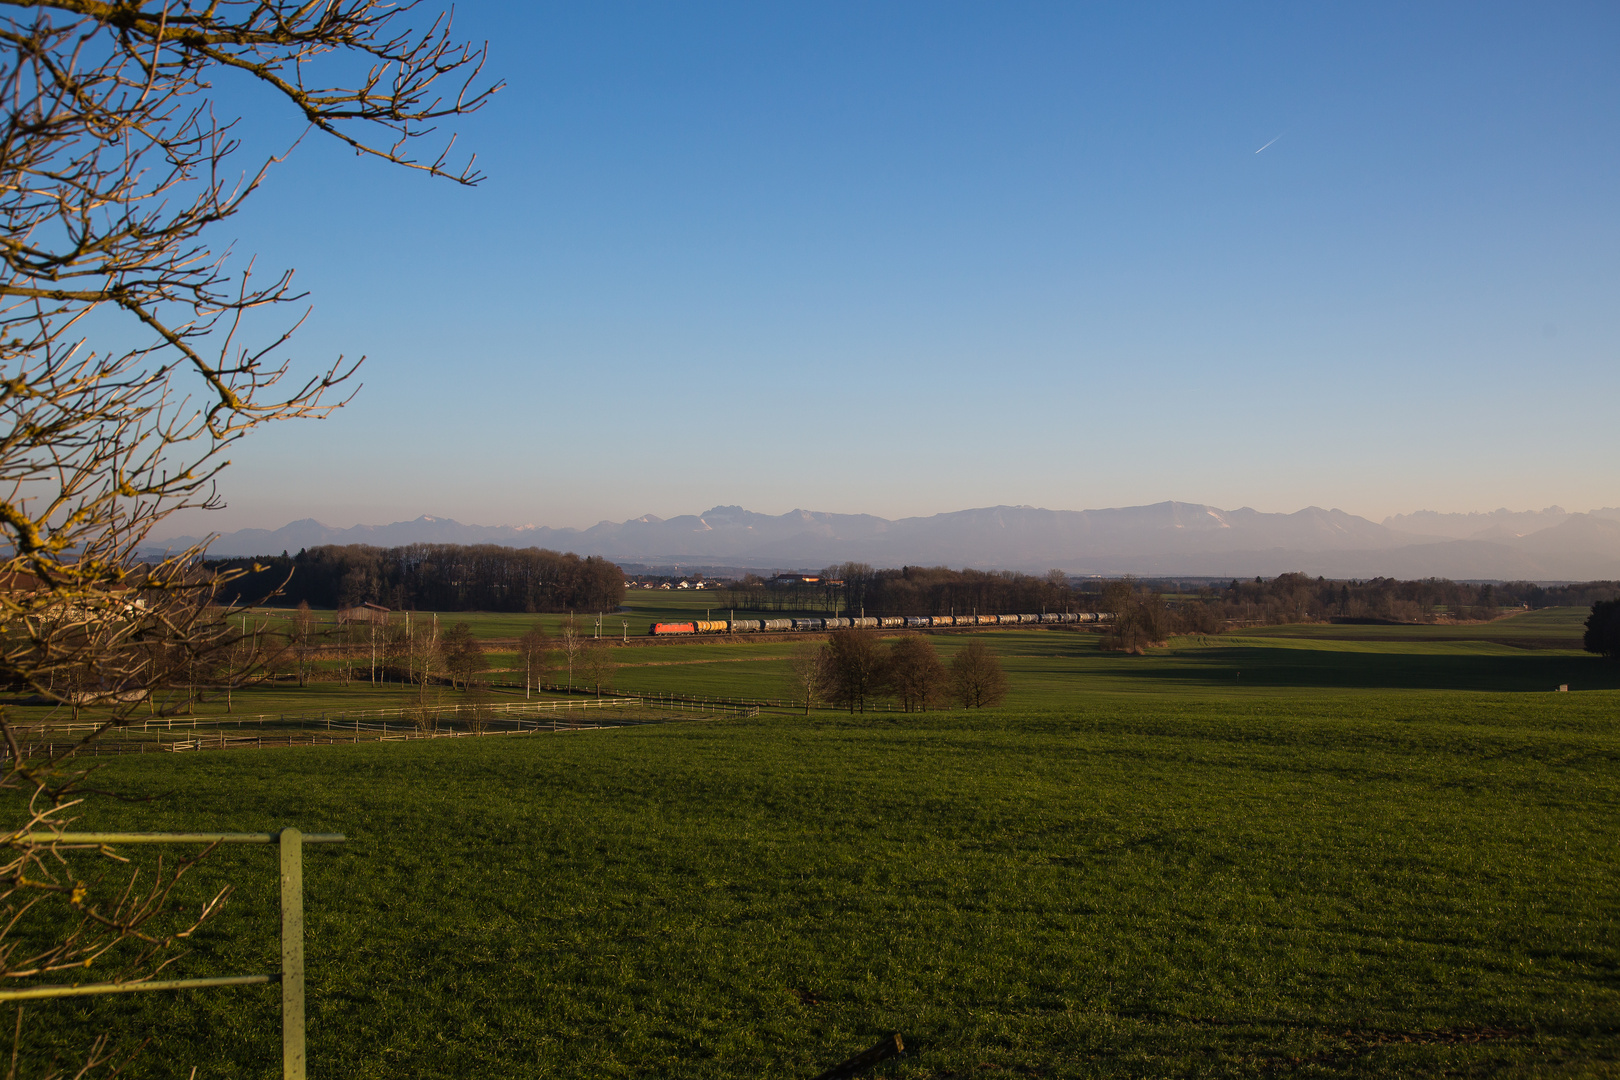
pixel 910 258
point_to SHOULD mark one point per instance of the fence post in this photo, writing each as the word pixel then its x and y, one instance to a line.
pixel 292 955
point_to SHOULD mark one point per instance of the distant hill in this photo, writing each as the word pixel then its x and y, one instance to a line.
pixel 1164 538
pixel 1495 525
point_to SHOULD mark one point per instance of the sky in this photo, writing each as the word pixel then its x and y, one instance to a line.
pixel 905 258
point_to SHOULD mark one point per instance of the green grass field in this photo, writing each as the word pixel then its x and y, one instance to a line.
pixel 1535 651
pixel 1314 854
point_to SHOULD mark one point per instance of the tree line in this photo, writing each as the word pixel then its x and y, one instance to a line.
pixel 1299 598
pixel 430 577
pixel 412 652
pixel 855 588
pixel 1147 612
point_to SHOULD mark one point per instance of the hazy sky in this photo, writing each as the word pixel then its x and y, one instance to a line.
pixel 907 258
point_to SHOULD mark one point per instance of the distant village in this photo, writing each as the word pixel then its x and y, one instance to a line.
pixel 698 582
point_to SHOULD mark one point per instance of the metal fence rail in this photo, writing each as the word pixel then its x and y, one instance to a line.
pixel 291 975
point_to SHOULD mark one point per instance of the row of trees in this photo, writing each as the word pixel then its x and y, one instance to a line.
pixel 854 668
pixel 854 588
pixel 417 652
pixel 435 577
pixel 413 652
pixel 1290 598
pixel 1301 598
pixel 1147 611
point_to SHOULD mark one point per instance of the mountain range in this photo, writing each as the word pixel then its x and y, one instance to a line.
pixel 1164 538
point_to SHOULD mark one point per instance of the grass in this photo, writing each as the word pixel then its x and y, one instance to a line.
pixel 1391 884
pixel 1531 652
pixel 1548 628
pixel 1308 851
pixel 1056 667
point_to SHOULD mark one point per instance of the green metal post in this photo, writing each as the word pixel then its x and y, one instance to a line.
pixel 292 955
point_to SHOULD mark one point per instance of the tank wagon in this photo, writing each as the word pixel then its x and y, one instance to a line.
pixel 887 622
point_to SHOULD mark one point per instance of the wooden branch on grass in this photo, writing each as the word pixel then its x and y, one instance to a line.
pixel 890 1047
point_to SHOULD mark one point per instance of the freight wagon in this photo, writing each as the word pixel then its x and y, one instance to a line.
pixel 887 622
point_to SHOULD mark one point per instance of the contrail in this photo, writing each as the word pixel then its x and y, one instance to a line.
pixel 1268 144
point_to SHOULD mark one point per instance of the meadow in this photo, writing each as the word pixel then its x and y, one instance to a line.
pixel 1319 853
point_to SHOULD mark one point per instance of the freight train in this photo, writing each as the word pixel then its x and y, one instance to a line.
pixel 750 626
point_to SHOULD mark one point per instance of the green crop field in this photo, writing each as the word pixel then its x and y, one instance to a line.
pixel 1304 851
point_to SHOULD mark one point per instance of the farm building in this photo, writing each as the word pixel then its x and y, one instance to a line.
pixel 363 613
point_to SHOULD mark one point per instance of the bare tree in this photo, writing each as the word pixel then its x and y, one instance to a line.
pixel 1059 594
pixel 572 641
pixel 976 676
pixel 597 666
pixel 461 656
pixel 479 708
pixel 534 648
pixel 1140 617
pixel 394 638
pixel 303 640
pixel 857 578
pixel 917 677
pixel 857 669
pixel 421 654
pixel 807 675
pixel 115 164
pixel 240 659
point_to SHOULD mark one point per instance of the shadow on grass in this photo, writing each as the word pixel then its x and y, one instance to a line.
pixel 1247 666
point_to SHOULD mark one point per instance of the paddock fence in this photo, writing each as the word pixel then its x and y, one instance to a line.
pixel 339 727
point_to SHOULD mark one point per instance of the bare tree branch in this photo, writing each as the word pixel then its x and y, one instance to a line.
pixel 125 376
